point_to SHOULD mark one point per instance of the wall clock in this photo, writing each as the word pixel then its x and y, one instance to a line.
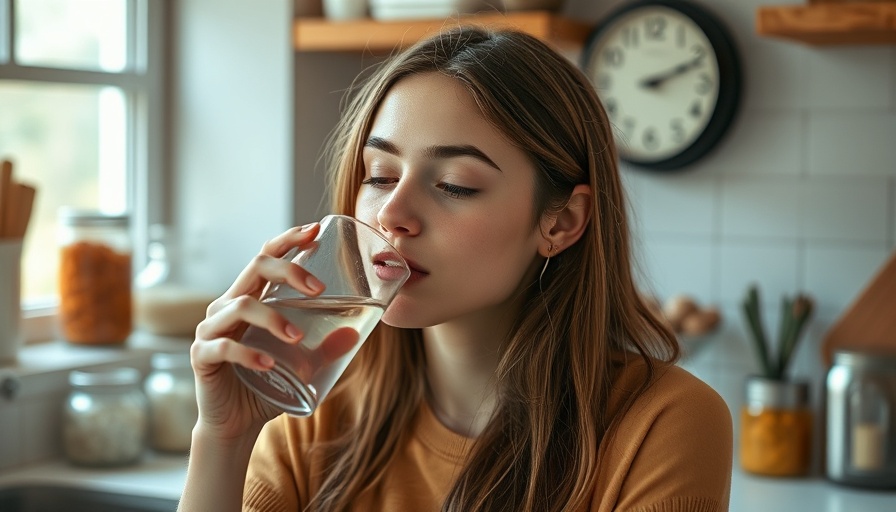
pixel 669 76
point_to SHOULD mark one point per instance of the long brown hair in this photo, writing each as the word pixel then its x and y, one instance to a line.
pixel 540 450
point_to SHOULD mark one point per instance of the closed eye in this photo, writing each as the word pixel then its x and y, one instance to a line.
pixel 379 182
pixel 456 191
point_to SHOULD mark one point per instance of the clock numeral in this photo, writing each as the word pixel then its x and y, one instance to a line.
pixel 705 85
pixel 630 37
pixel 611 107
pixel 680 36
pixel 603 81
pixel 678 132
pixel 650 138
pixel 628 125
pixel 614 56
pixel 696 109
pixel 655 27
pixel 699 51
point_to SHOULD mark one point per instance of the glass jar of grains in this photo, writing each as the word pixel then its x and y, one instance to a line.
pixel 173 410
pixel 105 418
pixel 94 277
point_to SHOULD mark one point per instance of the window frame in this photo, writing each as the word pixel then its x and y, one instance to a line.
pixel 143 84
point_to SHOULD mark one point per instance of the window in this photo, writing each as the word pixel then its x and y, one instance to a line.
pixel 81 111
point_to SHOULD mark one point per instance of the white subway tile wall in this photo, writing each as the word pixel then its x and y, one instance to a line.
pixel 845 209
pixel 849 78
pixel 760 143
pixel 852 142
pixel 772 266
pixel 775 76
pixel 761 207
pixel 799 196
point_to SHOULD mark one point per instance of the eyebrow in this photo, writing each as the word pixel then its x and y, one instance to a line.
pixel 448 151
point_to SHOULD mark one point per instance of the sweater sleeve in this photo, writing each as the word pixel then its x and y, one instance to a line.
pixel 677 445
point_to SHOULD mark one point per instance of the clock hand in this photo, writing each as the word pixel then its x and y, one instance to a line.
pixel 657 80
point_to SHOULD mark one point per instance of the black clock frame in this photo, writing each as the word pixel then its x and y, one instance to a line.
pixel 730 77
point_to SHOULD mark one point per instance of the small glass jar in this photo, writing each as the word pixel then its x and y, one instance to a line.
pixel 94 277
pixel 105 418
pixel 861 419
pixel 163 305
pixel 776 428
pixel 171 390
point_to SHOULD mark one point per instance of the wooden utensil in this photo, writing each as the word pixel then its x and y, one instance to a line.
pixel 16 203
pixel 6 194
pixel 869 323
pixel 26 194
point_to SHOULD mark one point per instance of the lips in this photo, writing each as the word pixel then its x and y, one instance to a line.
pixel 388 266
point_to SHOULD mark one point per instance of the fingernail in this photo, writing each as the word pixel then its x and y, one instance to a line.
pixel 266 360
pixel 314 283
pixel 293 331
pixel 307 227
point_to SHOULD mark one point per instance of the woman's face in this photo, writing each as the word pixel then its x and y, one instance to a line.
pixel 455 198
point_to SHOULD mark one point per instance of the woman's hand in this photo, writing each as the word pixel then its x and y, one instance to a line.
pixel 227 409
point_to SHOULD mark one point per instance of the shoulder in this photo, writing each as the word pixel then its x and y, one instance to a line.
pixel 673 441
pixel 672 406
pixel 669 391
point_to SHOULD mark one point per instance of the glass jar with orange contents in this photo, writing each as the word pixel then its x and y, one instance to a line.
pixel 94 277
pixel 776 428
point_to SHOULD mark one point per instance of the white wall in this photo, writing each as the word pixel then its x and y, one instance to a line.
pixel 801 194
pixel 232 89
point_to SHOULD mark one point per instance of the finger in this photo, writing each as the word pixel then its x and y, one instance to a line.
pixel 207 356
pixel 268 267
pixel 293 237
pixel 337 344
pixel 237 313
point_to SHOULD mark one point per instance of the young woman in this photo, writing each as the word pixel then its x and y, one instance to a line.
pixel 517 369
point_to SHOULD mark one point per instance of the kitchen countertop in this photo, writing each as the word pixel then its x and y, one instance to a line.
pixel 163 476
pixel 156 476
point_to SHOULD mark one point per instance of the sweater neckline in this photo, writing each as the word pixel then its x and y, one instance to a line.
pixel 438 438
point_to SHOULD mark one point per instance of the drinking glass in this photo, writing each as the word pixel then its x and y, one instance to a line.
pixel 362 273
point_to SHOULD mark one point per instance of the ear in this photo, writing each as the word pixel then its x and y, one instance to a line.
pixel 566 227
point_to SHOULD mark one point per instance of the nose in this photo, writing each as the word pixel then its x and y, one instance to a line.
pixel 398 215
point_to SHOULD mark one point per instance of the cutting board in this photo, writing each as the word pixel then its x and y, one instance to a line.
pixel 869 323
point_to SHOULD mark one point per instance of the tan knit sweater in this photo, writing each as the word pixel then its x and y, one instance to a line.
pixel 672 452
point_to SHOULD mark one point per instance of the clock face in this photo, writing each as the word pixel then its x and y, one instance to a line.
pixel 658 76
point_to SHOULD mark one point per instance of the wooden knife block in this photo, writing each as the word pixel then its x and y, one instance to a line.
pixel 869 323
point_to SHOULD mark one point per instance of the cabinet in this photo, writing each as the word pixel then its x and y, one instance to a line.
pixel 382 37
pixel 820 24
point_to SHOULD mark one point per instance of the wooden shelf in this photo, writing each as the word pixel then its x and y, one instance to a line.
pixel 321 35
pixel 821 24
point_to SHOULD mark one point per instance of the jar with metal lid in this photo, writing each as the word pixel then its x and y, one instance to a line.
pixel 105 418
pixel 861 419
pixel 776 427
pixel 171 390
pixel 94 277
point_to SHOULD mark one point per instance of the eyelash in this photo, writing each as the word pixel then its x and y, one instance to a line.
pixel 453 191
pixel 458 192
